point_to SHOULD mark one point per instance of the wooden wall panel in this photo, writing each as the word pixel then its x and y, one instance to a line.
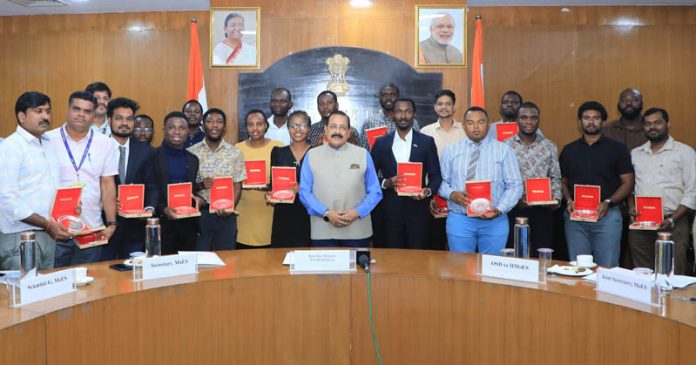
pixel 557 59
pixel 561 58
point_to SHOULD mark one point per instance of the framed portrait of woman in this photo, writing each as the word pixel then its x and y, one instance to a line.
pixel 234 37
pixel 440 36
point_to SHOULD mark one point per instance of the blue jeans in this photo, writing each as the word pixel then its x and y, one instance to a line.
pixel 601 239
pixel 467 234
pixel 341 243
pixel 68 254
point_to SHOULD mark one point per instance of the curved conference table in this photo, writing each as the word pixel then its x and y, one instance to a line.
pixel 429 307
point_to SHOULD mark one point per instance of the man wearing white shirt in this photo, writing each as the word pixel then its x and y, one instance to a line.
pixel 102 93
pixel 28 184
pixel 281 103
pixel 85 158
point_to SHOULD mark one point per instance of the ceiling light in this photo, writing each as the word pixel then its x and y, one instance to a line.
pixel 360 3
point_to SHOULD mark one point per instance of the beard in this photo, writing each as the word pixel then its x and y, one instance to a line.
pixel 120 134
pixel 630 112
pixel 214 139
pixel 656 138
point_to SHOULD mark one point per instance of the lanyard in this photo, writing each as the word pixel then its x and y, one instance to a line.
pixel 84 154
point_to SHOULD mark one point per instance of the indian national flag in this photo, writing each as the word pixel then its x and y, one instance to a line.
pixel 196 85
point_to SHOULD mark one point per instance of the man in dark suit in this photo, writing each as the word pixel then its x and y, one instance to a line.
pixel 133 167
pixel 407 218
pixel 172 164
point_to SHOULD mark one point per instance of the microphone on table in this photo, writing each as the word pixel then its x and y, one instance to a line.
pixel 364 260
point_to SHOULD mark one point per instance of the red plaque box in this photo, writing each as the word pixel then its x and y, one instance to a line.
pixel 538 191
pixel 256 175
pixel 284 179
pixel 441 209
pixel 480 200
pixel 374 133
pixel 411 178
pixel 649 209
pixel 132 199
pixel 222 195
pixel 179 197
pixel 63 209
pixel 586 202
pixel 504 131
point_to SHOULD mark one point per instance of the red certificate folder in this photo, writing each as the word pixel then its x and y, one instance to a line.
pixel 441 209
pixel 132 198
pixel 91 240
pixel 480 200
pixel 538 191
pixel 63 208
pixel 284 178
pixel 179 197
pixel 586 202
pixel 256 174
pixel 649 209
pixel 374 133
pixel 222 195
pixel 411 174
pixel 504 131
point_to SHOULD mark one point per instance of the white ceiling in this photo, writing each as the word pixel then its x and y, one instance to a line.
pixel 577 2
pixel 105 6
pixel 116 6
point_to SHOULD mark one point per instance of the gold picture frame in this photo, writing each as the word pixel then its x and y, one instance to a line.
pixel 441 32
pixel 224 53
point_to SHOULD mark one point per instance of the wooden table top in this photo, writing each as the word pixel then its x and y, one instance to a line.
pixel 268 263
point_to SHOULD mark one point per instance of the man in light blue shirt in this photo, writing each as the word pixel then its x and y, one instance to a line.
pixel 339 188
pixel 28 184
pixel 479 158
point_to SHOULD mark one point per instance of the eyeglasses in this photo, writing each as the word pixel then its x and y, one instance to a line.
pixel 297 126
pixel 142 129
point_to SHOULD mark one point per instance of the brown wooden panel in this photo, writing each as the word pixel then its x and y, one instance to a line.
pixel 24 343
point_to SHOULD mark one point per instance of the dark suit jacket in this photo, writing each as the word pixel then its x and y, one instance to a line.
pixel 422 150
pixel 137 172
pixel 160 175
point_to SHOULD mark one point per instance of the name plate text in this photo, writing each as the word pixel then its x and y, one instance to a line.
pixel 323 261
pixel 36 288
pixel 168 266
pixel 626 285
pixel 510 268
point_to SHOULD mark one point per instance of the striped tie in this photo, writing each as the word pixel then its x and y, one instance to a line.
pixel 473 162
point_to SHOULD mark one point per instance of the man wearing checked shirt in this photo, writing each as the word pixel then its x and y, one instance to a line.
pixel 479 158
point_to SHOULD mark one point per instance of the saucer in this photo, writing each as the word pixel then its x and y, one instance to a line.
pixel 84 281
pixel 592 266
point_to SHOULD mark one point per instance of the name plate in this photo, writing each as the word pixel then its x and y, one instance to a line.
pixel 322 261
pixel 510 268
pixel 36 288
pixel 626 285
pixel 165 267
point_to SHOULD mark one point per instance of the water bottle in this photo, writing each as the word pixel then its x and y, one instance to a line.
pixel 153 242
pixel 521 237
pixel 28 258
pixel 664 261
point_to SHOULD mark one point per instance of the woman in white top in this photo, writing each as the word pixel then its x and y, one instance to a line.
pixel 232 51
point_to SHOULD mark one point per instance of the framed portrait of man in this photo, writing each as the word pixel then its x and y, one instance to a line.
pixel 234 37
pixel 440 36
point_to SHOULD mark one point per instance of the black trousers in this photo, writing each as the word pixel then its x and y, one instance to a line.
pixel 541 224
pixel 403 234
pixel 179 235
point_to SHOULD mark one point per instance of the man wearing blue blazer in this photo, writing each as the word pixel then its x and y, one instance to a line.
pixel 133 167
pixel 407 218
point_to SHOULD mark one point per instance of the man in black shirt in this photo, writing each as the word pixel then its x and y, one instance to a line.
pixel 596 160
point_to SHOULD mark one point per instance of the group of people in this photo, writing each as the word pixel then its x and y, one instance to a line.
pixel 346 191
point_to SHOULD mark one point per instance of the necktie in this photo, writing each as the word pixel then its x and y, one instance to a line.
pixel 122 164
pixel 473 162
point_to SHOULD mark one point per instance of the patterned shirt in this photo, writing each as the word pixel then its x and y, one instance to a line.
pixel 538 159
pixel 28 181
pixel 226 161
pixel 497 162
pixel 378 119
pixel 317 129
pixel 618 132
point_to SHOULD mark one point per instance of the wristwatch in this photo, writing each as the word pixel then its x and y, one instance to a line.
pixel 671 222
pixel 111 223
pixel 609 203
pixel 326 217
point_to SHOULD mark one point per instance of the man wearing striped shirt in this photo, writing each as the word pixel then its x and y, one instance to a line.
pixel 474 159
pixel 28 184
